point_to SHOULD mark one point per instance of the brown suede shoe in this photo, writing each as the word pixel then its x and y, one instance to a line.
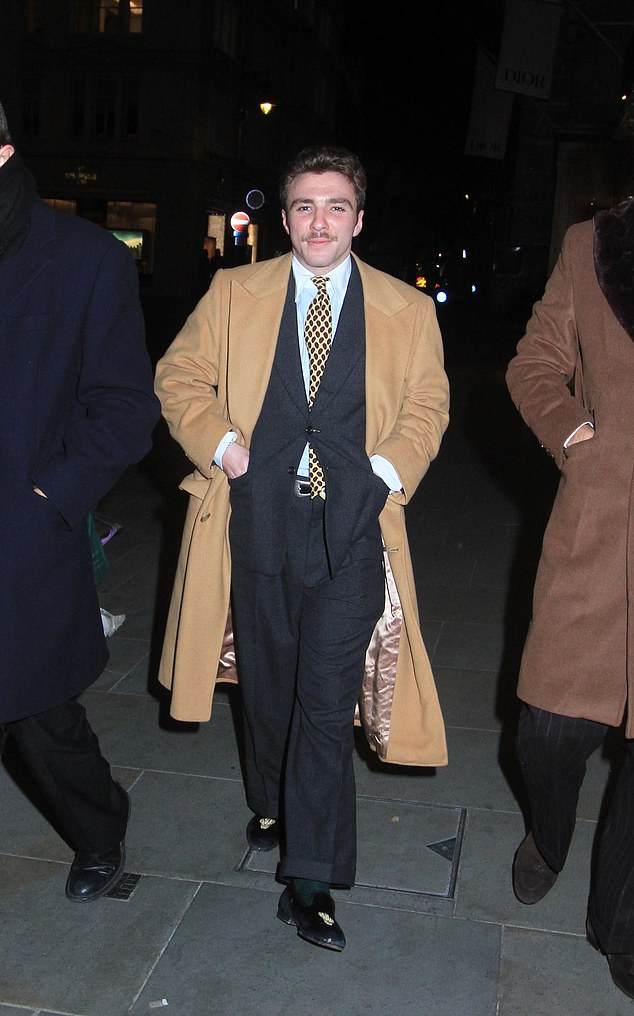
pixel 621 964
pixel 532 877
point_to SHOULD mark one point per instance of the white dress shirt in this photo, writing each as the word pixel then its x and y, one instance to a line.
pixel 305 290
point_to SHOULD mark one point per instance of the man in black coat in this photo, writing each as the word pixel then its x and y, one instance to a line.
pixel 76 408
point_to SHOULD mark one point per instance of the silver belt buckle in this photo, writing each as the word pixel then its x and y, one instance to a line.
pixel 301 487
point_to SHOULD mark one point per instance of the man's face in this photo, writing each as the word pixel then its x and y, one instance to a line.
pixel 321 220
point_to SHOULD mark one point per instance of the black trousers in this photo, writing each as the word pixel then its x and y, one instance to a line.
pixel 301 638
pixel 553 751
pixel 62 753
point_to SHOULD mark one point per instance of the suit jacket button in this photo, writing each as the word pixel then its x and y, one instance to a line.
pixel 205 516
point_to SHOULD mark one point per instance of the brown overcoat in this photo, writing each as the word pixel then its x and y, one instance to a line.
pixel 212 379
pixel 575 364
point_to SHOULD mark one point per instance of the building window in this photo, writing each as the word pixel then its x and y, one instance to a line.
pixel 325 31
pixel 322 94
pixel 77 107
pixel 31 107
pixel 226 28
pixel 135 16
pixel 105 107
pixel 33 15
pixel 222 132
pixel 130 107
pixel 81 18
pixel 107 16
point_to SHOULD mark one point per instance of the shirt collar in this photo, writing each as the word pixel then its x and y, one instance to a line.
pixel 339 276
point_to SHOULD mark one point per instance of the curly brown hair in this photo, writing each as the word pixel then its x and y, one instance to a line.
pixel 324 159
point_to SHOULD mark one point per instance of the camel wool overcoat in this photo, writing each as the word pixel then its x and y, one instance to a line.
pixel 575 364
pixel 212 379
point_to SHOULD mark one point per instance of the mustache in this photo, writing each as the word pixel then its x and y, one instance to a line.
pixel 318 235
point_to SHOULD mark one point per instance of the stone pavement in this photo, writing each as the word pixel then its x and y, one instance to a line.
pixel 433 927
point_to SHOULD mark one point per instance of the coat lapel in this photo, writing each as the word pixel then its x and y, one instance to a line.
pixel 18 273
pixel 257 305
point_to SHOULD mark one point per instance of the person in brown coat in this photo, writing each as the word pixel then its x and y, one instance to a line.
pixel 571 380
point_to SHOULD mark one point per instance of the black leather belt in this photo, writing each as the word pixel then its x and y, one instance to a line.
pixel 302 486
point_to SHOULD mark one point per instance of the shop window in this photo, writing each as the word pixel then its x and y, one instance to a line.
pixel 134 223
pixel 62 205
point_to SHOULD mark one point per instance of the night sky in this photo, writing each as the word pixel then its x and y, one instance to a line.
pixel 418 71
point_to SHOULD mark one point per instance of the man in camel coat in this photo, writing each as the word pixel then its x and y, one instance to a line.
pixel 572 383
pixel 307 574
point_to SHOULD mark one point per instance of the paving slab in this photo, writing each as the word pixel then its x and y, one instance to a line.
pixel 473 776
pixel 231 955
pixel 468 698
pixel 76 957
pixel 485 891
pixel 542 974
pixel 133 731
pixel 402 849
pixel 187 826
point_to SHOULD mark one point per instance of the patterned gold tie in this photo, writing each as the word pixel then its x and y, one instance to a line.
pixel 318 338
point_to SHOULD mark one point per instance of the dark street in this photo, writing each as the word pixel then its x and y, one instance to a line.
pixel 433 925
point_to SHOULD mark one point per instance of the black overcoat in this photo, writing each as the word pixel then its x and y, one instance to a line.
pixel 76 408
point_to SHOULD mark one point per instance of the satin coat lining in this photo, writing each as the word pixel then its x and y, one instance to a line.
pixel 374 708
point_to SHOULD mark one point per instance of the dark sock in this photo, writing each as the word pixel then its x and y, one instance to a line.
pixel 305 888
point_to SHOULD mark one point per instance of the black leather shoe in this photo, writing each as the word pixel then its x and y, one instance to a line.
pixel 315 922
pixel 532 877
pixel 263 833
pixel 93 875
pixel 621 964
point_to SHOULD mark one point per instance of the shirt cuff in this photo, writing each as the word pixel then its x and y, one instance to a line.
pixel 227 440
pixel 384 468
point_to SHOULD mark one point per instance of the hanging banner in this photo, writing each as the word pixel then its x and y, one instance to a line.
pixel 490 112
pixel 529 41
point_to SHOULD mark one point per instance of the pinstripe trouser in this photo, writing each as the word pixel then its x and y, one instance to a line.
pixel 553 751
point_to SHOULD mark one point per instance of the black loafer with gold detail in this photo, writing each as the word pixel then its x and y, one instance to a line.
pixel 263 833
pixel 315 922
